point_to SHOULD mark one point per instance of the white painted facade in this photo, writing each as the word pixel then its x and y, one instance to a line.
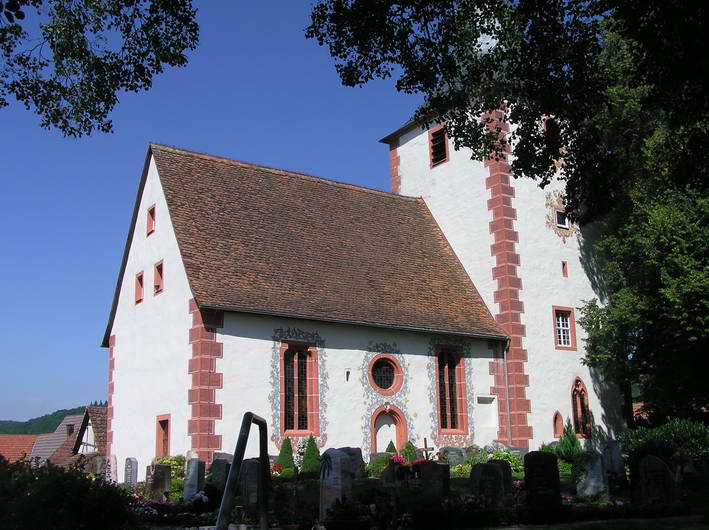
pixel 456 194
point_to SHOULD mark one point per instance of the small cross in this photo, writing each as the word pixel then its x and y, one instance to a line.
pixel 426 449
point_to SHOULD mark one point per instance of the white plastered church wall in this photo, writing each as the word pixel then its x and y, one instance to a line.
pixel 347 404
pixel 152 349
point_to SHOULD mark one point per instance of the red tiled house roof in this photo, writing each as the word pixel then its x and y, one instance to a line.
pixel 261 240
pixel 16 446
pixel 68 452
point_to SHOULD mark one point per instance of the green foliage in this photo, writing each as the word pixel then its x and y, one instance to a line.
pixel 391 448
pixel 514 460
pixel 285 456
pixel 177 487
pixel 62 499
pixel 176 463
pixel 409 452
pixel 311 459
pixel 475 454
pixel 40 425
pixel 91 50
pixel 377 465
pixel 564 467
pixel 675 441
pixel 569 448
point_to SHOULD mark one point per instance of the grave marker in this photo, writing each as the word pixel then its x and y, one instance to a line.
pixel 506 470
pixel 487 480
pixel 541 479
pixel 454 455
pixel 131 472
pixel 248 481
pixel 194 479
pixel 656 481
pixel 434 480
pixel 335 480
pixel 161 482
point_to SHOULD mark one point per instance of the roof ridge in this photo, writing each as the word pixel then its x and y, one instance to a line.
pixel 277 171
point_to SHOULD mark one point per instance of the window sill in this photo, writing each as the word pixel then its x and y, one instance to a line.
pixel 463 432
pixel 565 348
pixel 297 432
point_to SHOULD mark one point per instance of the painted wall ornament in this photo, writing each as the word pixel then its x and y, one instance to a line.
pixel 463 346
pixel 373 399
pixel 555 203
pixel 279 336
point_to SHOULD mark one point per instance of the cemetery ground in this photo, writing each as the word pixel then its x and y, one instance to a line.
pixel 650 479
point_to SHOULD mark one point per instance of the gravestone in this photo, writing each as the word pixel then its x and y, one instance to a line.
pixel 335 480
pixel 506 470
pixel 356 460
pixel 223 456
pixel 454 455
pixel 161 482
pixel 473 451
pixel 218 473
pixel 541 480
pixel 593 484
pixel 487 480
pixel 131 472
pixel 656 482
pixel 248 481
pixel 434 481
pixel 190 454
pixel 112 469
pixel 614 466
pixel 194 479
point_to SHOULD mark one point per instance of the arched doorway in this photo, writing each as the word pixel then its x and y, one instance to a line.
pixel 388 425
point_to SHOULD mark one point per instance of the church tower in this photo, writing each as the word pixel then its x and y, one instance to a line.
pixel 533 268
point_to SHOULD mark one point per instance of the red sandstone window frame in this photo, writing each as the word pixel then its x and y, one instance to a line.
pixel 139 290
pixel 461 396
pixel 564 269
pixel 162 435
pixel 558 425
pixel 150 221
pixel 572 328
pixel 398 375
pixel 312 390
pixel 581 409
pixel 436 131
pixel 158 278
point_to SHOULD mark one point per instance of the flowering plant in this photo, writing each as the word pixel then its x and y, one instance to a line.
pixel 276 470
pixel 396 459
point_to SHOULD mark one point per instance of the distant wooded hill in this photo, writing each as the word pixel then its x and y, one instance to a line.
pixel 46 423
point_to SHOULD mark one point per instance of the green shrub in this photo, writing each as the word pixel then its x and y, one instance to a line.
pixel 514 460
pixel 176 463
pixel 177 487
pixel 409 452
pixel 569 448
pixel 564 467
pixel 310 466
pixel 675 441
pixel 391 448
pixel 377 465
pixel 285 456
pixel 49 496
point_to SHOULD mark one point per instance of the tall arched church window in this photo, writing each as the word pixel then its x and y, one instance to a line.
pixel 300 404
pixel 451 392
pixel 581 411
pixel 558 425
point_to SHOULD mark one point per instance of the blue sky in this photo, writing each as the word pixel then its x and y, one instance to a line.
pixel 254 90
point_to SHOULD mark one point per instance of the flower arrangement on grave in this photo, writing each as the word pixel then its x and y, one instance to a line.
pixel 276 470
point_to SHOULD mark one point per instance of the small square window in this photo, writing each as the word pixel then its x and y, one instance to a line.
pixel 158 278
pixel 69 429
pixel 138 287
pixel 561 220
pixel 564 269
pixel 151 220
pixel 438 146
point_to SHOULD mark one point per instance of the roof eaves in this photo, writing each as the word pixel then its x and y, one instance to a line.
pixel 354 322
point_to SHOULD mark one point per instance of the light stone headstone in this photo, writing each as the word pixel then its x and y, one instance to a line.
pixel 131 472
pixel 218 473
pixel 434 480
pixel 223 456
pixel 161 482
pixel 112 469
pixel 194 479
pixel 656 481
pixel 335 480
pixel 487 480
pixel 454 455
pixel 506 470
pixel 541 480
pixel 248 481
pixel 613 458
pixel 356 460
pixel 593 484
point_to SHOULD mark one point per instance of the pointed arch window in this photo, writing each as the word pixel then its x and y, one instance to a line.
pixel 300 402
pixel 558 425
pixel 451 392
pixel 580 409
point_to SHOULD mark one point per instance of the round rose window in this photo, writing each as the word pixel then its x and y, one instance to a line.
pixel 383 373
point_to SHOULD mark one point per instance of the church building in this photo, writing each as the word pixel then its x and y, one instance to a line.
pixel 443 310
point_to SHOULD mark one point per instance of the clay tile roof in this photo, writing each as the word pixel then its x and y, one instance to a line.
pixel 15 446
pixel 99 426
pixel 262 240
